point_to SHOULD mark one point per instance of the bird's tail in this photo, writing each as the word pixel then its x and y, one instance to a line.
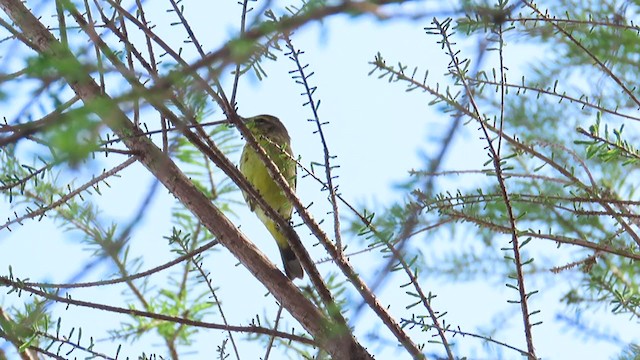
pixel 292 266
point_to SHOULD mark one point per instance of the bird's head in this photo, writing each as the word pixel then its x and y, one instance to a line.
pixel 267 126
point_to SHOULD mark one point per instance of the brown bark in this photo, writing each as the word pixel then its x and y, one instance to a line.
pixel 337 343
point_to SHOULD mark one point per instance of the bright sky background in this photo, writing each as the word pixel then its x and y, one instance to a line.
pixel 378 133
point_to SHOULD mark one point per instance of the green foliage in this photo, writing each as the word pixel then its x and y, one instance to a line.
pixel 632 352
pixel 565 185
pixel 22 326
pixel 555 190
pixel 76 138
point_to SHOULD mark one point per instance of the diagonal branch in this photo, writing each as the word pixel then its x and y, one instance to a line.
pixel 168 173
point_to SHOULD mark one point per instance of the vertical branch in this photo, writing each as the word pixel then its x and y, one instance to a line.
pixel 412 220
pixel 302 79
pixel 272 337
pixel 154 71
pixel 458 68
pixel 503 80
pixel 129 57
pixel 236 75
pixel 62 23
pixel 95 46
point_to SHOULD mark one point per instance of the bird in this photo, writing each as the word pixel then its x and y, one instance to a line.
pixel 273 137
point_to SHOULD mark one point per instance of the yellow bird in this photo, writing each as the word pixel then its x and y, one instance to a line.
pixel 274 139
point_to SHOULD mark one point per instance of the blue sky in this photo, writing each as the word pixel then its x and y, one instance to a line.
pixel 378 133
